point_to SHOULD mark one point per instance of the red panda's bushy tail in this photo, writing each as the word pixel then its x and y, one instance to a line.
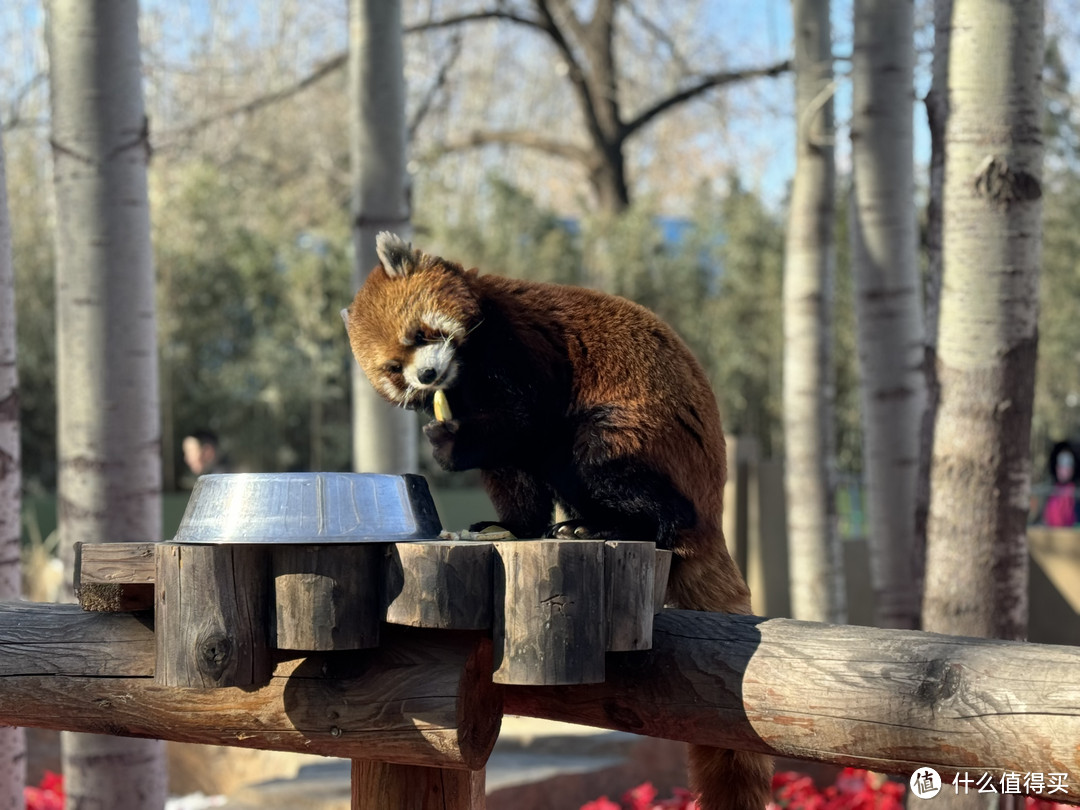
pixel 730 780
pixel 722 779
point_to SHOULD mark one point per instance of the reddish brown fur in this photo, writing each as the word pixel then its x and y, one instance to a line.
pixel 658 408
pixel 616 362
pixel 384 308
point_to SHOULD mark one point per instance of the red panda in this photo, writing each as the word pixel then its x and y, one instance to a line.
pixel 566 396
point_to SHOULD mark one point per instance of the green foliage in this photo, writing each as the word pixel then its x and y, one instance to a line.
pixel 252 345
pixel 742 330
pixel 35 299
pixel 507 233
pixel 1057 381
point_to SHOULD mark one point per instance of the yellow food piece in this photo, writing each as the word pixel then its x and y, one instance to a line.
pixel 442 407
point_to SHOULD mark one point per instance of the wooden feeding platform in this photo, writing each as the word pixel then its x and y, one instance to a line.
pixel 268 570
pixel 319 613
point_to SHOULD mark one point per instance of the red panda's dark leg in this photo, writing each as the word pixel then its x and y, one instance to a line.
pixel 523 502
pixel 626 499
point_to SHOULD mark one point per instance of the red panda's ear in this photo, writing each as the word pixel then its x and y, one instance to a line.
pixel 397 256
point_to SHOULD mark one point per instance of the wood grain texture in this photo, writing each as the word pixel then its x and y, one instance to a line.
pixel 549 615
pixel 47 639
pixel 888 700
pixel 212 615
pixel 114 563
pixel 660 578
pixel 424 698
pixel 382 785
pixel 629 593
pixel 440 584
pixel 114 577
pixel 326 597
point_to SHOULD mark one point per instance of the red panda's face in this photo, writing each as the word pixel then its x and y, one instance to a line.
pixel 407 324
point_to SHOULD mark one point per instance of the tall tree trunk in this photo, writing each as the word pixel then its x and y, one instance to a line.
pixel 888 304
pixel 937 113
pixel 384 438
pixel 12 740
pixel 808 387
pixel 109 455
pixel 976 567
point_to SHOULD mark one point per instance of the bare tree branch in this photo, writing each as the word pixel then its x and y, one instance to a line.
pixel 700 86
pixel 473 16
pixel 575 72
pixel 15 118
pixel 328 67
pixel 527 139
pixel 567 17
pixel 335 63
pixel 428 101
pixel 661 36
pixel 602 24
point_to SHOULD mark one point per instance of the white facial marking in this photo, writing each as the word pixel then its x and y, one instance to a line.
pixel 390 390
pixel 437 357
pixel 443 324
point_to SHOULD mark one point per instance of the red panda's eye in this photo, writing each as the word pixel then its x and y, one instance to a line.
pixel 393 367
pixel 419 337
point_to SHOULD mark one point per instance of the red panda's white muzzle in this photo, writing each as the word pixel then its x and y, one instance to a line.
pixel 433 366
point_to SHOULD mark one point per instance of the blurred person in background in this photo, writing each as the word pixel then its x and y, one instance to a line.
pixel 1060 507
pixel 202 453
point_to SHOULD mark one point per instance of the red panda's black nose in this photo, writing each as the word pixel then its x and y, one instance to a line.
pixel 427 375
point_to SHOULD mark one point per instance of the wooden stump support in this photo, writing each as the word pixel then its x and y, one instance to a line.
pixel 228 617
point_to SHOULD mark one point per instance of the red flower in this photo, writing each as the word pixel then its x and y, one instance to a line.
pixel 48 796
pixel 640 797
pixel 855 789
pixel 603 803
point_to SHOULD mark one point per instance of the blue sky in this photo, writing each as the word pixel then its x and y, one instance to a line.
pixel 751 32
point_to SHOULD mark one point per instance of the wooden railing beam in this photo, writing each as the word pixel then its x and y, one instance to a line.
pixel 889 700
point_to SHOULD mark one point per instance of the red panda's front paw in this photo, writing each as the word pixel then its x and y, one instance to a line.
pixel 442 435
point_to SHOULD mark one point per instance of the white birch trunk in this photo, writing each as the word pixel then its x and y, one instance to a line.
pixel 937 113
pixel 808 387
pixel 888 303
pixel 109 464
pixel 384 437
pixel 976 568
pixel 12 740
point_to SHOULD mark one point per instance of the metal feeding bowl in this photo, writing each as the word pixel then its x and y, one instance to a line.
pixel 309 508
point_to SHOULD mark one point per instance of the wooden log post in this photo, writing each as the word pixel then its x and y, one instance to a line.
pixel 663 571
pixel 549 618
pixel 382 785
pixel 439 584
pixel 212 615
pixel 630 591
pixel 326 597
